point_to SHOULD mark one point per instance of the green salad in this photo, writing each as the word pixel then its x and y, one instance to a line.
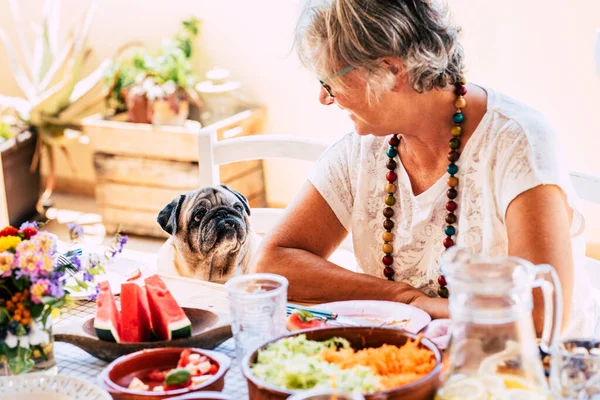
pixel 292 363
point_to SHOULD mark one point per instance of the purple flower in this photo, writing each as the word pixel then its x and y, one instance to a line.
pixel 26 225
pixel 120 242
pixel 56 289
pixel 87 277
pixel 94 294
pixel 75 261
pixel 75 231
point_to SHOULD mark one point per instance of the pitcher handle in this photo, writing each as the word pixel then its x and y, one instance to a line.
pixel 547 279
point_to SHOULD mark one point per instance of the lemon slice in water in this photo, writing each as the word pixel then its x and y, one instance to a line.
pixel 522 394
pixel 516 382
pixel 464 389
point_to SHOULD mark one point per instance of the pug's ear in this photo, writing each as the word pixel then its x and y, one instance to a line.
pixel 168 216
pixel 240 196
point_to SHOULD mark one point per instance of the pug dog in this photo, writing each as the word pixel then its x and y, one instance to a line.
pixel 210 238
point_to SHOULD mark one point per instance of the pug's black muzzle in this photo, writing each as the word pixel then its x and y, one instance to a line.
pixel 227 221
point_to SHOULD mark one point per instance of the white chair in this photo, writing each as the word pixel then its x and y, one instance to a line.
pixel 588 189
pixel 214 153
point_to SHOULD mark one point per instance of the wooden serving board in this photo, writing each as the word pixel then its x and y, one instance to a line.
pixel 204 303
pixel 208 331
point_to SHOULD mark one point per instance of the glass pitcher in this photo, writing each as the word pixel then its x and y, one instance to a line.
pixel 493 351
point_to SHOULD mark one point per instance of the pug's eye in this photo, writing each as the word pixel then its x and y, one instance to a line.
pixel 238 207
pixel 198 216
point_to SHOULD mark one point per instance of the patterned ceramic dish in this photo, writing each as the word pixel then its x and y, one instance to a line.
pixel 37 387
pixel 117 376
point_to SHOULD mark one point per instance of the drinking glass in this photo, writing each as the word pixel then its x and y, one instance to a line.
pixel 575 369
pixel 258 309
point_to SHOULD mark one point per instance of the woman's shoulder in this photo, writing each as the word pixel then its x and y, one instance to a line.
pixel 510 120
pixel 353 146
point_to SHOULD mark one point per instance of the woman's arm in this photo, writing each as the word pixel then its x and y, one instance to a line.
pixel 538 222
pixel 299 246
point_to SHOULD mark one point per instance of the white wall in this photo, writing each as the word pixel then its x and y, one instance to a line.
pixel 538 51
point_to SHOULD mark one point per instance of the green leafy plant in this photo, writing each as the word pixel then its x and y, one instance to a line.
pixel 169 64
pixel 6 131
pixel 56 97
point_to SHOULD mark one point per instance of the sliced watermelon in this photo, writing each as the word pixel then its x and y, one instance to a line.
pixel 135 319
pixel 107 322
pixel 168 319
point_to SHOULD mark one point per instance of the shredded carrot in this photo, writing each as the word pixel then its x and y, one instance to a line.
pixel 395 365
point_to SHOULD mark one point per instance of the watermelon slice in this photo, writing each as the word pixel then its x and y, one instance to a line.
pixel 168 319
pixel 135 316
pixel 107 322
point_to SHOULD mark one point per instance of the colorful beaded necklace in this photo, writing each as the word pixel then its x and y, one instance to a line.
pixel 388 212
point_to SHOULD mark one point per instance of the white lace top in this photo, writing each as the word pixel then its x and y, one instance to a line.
pixel 512 150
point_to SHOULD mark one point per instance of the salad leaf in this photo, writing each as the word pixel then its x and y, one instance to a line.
pixel 293 363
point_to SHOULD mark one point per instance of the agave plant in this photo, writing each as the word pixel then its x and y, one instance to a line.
pixel 55 96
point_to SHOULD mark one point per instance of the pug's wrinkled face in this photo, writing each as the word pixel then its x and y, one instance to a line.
pixel 207 221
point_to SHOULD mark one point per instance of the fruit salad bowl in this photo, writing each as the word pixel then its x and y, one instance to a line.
pixel 157 373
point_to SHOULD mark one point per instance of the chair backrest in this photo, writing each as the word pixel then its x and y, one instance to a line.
pixel 587 186
pixel 261 147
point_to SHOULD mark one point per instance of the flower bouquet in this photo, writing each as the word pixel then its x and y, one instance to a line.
pixel 35 282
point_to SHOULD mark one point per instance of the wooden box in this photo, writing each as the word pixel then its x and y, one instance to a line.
pixel 140 168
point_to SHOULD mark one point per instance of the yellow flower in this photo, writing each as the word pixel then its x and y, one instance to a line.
pixel 6 262
pixel 55 313
pixel 9 243
pixel 47 263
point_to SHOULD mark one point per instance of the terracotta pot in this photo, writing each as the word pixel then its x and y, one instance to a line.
pixel 117 375
pixel 359 338
pixel 22 186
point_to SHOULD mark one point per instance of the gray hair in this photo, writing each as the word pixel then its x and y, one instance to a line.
pixel 335 34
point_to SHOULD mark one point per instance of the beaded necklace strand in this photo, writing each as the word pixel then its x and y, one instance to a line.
pixel 391 177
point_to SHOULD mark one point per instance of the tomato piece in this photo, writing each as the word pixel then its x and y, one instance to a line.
pixel 175 387
pixel 296 322
pixel 213 369
pixel 184 358
pixel 157 375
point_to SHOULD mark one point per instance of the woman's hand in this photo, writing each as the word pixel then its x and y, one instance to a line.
pixel 299 246
pixel 434 306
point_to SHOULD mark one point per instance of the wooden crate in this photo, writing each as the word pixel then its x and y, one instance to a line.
pixel 141 168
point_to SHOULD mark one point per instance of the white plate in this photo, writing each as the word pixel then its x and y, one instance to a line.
pixel 38 387
pixel 118 270
pixel 389 313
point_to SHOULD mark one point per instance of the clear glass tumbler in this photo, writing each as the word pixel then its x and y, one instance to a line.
pixel 258 303
pixel 575 369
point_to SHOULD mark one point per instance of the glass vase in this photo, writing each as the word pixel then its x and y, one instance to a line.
pixel 38 358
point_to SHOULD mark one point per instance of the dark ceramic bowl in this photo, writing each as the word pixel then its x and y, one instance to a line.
pixel 359 338
pixel 118 374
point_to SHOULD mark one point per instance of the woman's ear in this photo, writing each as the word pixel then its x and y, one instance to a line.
pixel 396 67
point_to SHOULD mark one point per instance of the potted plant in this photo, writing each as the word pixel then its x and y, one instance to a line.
pixel 55 96
pixel 22 185
pixel 155 86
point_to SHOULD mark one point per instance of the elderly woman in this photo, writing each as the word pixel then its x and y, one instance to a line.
pixel 434 161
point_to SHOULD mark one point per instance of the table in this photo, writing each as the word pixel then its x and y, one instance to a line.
pixel 72 361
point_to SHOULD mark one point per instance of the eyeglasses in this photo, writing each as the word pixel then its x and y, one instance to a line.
pixel 340 72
